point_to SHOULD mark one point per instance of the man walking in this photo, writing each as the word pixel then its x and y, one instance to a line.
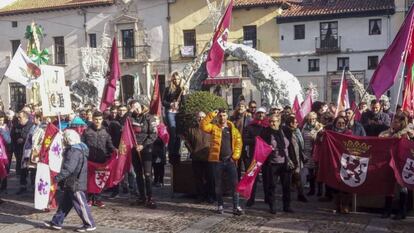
pixel 74 176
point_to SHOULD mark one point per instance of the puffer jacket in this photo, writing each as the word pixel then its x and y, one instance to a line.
pixel 99 143
pixel 74 168
pixel 215 144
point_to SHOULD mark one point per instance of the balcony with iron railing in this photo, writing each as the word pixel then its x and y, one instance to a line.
pixel 330 44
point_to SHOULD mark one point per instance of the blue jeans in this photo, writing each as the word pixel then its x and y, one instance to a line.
pixel 175 142
pixel 78 201
pixel 228 167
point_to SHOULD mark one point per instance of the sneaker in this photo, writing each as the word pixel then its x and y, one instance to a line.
pixel 90 203
pixel 50 224
pixel 238 211
pixel 220 209
pixel 99 204
pixel 21 191
pixel 85 229
pixel 150 204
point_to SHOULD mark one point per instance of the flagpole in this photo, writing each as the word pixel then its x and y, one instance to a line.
pixel 401 80
pixel 340 92
pixel 122 91
pixel 362 97
pixel 203 50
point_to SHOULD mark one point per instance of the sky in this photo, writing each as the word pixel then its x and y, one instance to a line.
pixel 4 3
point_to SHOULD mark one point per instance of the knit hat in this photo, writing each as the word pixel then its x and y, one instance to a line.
pixel 71 137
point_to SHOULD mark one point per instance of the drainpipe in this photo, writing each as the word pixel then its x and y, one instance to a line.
pixel 83 12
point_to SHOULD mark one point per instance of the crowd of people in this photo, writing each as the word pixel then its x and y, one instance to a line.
pixel 220 145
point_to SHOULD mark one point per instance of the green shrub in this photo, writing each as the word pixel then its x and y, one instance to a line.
pixel 196 102
pixel 202 101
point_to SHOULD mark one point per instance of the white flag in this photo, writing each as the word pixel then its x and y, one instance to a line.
pixel 22 69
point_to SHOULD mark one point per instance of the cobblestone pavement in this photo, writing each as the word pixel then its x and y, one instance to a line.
pixel 180 213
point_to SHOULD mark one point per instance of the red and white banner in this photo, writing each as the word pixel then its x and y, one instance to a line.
pixel 216 54
pixel 356 164
pixel 261 152
pixel 99 175
pixel 402 163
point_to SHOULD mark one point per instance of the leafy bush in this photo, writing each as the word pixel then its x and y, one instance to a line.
pixel 196 102
pixel 202 101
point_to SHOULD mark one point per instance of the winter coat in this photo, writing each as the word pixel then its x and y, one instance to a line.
pixel 282 148
pixel 296 155
pixel 215 143
pixel 309 137
pixel 357 129
pixel 170 96
pixel 74 169
pixel 145 134
pixel 20 131
pixel 198 143
pixel 249 136
pixel 99 143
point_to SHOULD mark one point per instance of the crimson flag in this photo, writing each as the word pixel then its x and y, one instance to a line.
pixel 99 175
pixel 155 105
pixel 50 133
pixel 387 70
pixel 113 75
pixel 4 159
pixel 402 162
pixel 356 164
pixel 357 113
pixel 123 160
pixel 408 98
pixel 261 152
pixel 216 54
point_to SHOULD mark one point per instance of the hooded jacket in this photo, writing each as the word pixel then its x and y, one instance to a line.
pixel 215 143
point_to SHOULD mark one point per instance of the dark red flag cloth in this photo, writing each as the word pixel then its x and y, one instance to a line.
pixel 356 164
pixel 402 162
pixel 261 152
pixel 4 159
pixel 99 175
pixel 50 132
pixel 113 75
pixel 216 54
pixel 123 160
pixel 155 105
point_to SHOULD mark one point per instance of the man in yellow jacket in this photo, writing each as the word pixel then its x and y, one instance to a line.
pixel 225 149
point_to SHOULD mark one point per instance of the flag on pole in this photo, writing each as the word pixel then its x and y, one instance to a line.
pixel 343 95
pixel 261 152
pixel 302 110
pixel 124 158
pixel 22 69
pixel 408 98
pixel 155 105
pixel 390 64
pixel 216 54
pixel 113 75
pixel 50 132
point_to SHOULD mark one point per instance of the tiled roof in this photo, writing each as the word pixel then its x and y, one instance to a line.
pixel 344 8
pixel 258 3
pixel 31 6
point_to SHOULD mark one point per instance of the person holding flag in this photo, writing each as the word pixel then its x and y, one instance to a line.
pixel 279 164
pixel 100 147
pixel 143 125
pixel 399 129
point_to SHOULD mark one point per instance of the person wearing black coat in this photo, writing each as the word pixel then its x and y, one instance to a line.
pixel 19 134
pixel 100 147
pixel 74 175
pixel 172 99
pixel 145 134
pixel 279 164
